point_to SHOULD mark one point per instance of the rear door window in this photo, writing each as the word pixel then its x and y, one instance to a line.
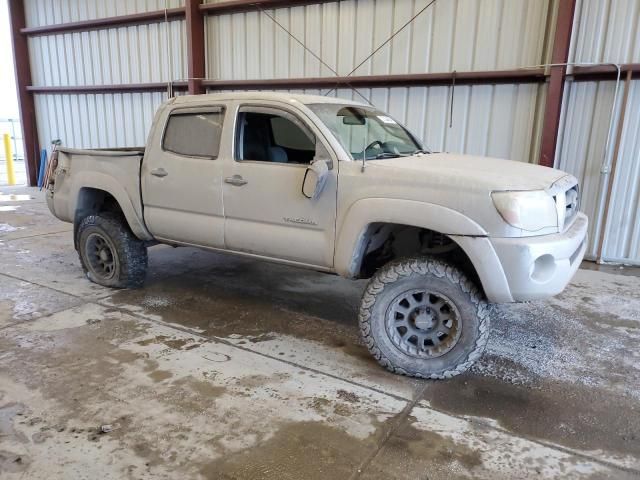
pixel 194 134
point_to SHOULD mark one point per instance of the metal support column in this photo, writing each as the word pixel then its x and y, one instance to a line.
pixel 25 98
pixel 553 106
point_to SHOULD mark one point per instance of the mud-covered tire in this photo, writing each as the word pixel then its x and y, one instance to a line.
pixel 126 253
pixel 430 275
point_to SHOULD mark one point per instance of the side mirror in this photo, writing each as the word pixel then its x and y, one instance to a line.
pixel 314 179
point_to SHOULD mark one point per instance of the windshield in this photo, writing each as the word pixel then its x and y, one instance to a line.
pixel 366 132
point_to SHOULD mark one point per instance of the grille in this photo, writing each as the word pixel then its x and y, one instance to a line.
pixel 571 204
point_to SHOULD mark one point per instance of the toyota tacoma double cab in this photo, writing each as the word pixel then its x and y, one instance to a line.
pixel 339 187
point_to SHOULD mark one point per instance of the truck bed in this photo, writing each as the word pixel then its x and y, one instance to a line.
pixel 114 170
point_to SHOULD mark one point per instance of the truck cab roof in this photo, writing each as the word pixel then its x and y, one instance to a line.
pixel 262 96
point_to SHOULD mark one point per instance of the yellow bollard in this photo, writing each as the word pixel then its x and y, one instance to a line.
pixel 11 176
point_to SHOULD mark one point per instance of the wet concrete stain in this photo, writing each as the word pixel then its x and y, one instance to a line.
pixel 348 396
pixel 223 298
pixel 204 389
pixel 8 414
pixel 174 343
pixel 305 450
pixel 85 360
pixel 224 305
pixel 12 462
pixel 575 417
pixel 6 228
pixel 15 197
pixel 160 375
pixel 429 448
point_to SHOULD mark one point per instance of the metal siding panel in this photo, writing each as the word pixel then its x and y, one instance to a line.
pixel 48 12
pixel 606 31
pixel 458 34
pixel 582 146
pixel 480 109
pixel 351 16
pixel 622 240
pixel 116 55
pixel 456 135
pixel 297 54
pixel 421 27
pixel 466 29
pixel 329 43
pixel 437 114
pixel 96 120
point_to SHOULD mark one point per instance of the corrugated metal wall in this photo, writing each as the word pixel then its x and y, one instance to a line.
pixel 136 54
pixel 605 31
pixel 452 35
pixel 455 35
pixel 49 12
pixel 495 121
pixel 96 120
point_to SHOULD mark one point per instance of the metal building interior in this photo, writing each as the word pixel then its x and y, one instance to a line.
pixel 201 375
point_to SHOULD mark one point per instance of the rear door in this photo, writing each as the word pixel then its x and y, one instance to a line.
pixel 181 177
pixel 265 210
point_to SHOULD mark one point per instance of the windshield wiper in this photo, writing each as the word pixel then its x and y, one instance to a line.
pixel 388 155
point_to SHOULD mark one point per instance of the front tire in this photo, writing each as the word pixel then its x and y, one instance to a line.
pixel 423 318
pixel 110 254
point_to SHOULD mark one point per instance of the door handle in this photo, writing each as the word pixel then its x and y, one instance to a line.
pixel 236 180
pixel 159 172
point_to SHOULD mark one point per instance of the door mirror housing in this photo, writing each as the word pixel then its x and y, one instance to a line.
pixel 315 178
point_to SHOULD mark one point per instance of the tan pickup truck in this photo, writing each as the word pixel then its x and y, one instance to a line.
pixel 339 187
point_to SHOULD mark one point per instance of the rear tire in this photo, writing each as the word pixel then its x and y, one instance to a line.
pixel 110 254
pixel 423 318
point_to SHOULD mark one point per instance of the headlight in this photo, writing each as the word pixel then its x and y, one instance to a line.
pixel 530 210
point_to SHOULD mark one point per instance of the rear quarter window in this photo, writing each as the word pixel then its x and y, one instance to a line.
pixel 194 134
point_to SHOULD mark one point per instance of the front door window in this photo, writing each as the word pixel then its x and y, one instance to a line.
pixel 274 137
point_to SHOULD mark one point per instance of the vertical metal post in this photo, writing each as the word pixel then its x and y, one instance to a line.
pixel 25 99
pixel 13 137
pixel 553 105
pixel 195 46
pixel 614 164
pixel 11 176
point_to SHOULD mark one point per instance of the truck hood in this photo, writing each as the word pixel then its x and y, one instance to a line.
pixel 471 172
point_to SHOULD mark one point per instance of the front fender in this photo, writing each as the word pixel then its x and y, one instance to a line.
pixel 471 237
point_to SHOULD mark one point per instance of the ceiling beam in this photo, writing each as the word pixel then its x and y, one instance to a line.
pixel 115 88
pixel 368 81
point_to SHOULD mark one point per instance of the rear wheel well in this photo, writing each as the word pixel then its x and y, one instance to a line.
pixel 384 242
pixel 92 201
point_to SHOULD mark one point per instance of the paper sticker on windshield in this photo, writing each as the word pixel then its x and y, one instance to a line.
pixel 386 119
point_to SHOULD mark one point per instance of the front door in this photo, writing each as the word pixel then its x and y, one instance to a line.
pixel 182 180
pixel 265 211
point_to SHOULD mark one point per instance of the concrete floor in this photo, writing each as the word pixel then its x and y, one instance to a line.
pixel 225 368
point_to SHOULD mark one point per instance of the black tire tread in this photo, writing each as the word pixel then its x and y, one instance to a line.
pixel 422 266
pixel 132 252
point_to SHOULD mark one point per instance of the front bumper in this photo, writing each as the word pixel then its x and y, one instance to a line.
pixel 540 267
